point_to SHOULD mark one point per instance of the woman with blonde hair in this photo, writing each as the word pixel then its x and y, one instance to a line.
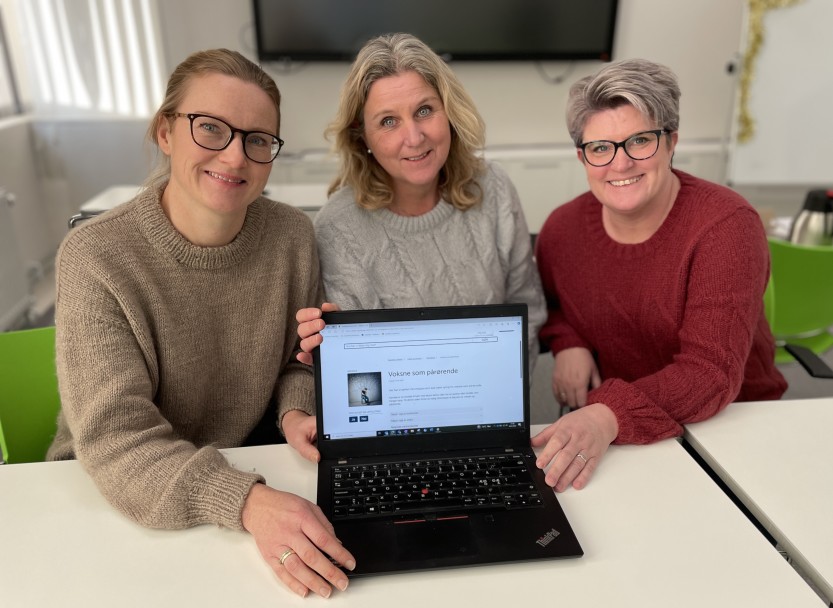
pixel 416 217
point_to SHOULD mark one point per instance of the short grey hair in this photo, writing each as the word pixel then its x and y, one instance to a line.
pixel 649 87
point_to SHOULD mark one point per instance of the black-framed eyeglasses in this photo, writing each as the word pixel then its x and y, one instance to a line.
pixel 639 146
pixel 211 133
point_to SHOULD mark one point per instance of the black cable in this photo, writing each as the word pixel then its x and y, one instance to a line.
pixel 554 79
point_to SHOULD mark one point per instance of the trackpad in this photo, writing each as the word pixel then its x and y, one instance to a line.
pixel 431 540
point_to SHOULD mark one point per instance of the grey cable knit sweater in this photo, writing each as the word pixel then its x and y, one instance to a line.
pixel 378 259
pixel 167 351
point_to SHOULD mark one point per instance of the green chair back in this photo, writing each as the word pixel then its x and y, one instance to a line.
pixel 799 297
pixel 29 400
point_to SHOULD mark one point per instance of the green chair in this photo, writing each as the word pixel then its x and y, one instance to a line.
pixel 29 400
pixel 799 302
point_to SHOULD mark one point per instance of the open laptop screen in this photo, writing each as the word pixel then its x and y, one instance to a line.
pixel 421 376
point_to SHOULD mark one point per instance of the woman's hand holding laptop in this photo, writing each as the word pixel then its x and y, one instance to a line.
pixel 310 324
pixel 298 427
pixel 300 431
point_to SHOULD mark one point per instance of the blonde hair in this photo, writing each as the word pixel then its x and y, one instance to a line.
pixel 389 55
pixel 201 63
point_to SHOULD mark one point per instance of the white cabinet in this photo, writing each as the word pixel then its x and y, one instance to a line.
pixel 311 167
pixel 706 160
pixel 545 178
pixel 313 171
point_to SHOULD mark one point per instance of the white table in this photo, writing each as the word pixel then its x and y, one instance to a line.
pixel 305 196
pixel 655 529
pixel 109 198
pixel 777 457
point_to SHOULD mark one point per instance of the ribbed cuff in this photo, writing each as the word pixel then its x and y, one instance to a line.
pixel 219 494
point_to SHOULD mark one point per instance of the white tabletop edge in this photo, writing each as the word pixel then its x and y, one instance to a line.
pixel 652 524
pixel 731 444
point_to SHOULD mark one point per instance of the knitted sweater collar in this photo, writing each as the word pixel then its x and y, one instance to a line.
pixel 597 233
pixel 158 230
pixel 441 212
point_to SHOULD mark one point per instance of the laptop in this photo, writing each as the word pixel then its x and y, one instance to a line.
pixel 423 429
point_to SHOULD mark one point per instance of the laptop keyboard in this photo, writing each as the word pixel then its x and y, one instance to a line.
pixel 420 486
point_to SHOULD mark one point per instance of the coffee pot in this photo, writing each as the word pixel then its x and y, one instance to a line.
pixel 814 223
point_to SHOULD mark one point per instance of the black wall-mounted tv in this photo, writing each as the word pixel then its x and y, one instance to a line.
pixel 489 30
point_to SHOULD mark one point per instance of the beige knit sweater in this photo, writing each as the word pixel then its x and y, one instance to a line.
pixel 167 351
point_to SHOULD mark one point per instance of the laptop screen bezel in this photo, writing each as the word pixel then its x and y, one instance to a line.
pixel 512 438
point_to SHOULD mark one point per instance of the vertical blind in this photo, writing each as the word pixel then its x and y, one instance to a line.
pixel 97 55
pixel 9 100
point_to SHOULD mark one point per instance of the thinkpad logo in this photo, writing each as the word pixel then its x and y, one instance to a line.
pixel 548 537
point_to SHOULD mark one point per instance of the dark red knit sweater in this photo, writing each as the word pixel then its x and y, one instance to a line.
pixel 676 323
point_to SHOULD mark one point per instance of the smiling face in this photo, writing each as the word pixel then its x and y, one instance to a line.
pixel 630 190
pixel 407 130
pixel 214 187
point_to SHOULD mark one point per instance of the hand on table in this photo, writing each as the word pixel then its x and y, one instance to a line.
pixel 574 444
pixel 295 538
pixel 573 373
pixel 300 431
pixel 310 324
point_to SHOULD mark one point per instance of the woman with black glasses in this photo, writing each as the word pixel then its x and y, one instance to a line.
pixel 654 281
pixel 176 333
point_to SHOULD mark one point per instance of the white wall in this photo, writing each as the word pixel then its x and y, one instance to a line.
pixel 790 100
pixel 14 295
pixel 27 237
pixel 78 158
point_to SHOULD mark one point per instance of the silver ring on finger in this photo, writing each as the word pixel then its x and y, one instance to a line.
pixel 582 457
pixel 285 555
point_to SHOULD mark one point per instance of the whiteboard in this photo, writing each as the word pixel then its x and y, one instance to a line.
pixel 791 101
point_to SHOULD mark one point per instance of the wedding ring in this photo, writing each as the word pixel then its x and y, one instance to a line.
pixel 582 456
pixel 285 555
pixel 562 396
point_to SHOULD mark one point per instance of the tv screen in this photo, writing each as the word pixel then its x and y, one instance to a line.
pixel 334 30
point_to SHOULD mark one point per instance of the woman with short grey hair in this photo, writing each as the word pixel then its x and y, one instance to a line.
pixel 654 282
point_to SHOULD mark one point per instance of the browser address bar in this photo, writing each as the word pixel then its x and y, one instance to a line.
pixel 425 342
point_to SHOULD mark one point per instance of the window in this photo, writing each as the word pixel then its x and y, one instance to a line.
pixel 96 55
pixel 9 99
